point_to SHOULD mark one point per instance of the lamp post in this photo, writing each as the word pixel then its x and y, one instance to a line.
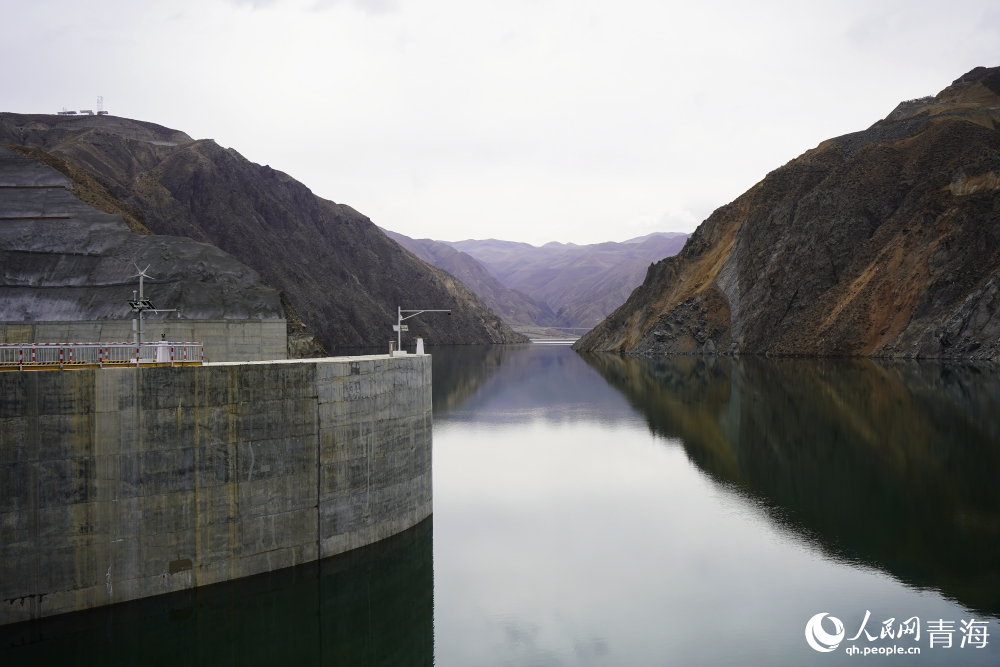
pixel 400 318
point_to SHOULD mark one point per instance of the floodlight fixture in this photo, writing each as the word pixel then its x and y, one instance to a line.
pixel 400 318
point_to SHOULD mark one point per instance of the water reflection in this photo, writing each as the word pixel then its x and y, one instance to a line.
pixel 371 606
pixel 460 372
pixel 491 383
pixel 892 465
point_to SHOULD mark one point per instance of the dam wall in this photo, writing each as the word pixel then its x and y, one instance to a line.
pixel 120 484
pixel 225 340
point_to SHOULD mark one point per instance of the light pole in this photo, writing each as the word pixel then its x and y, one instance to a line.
pixel 400 318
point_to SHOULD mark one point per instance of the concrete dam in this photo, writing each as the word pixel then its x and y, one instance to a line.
pixel 123 483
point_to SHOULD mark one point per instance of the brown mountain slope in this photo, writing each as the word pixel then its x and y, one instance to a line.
pixel 515 308
pixel 884 242
pixel 86 188
pixel 342 275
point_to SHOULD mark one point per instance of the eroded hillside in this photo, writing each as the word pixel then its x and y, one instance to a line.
pixel 884 242
pixel 64 259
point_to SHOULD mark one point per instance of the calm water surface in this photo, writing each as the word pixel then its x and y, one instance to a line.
pixel 601 510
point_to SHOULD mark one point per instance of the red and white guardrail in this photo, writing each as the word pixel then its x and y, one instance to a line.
pixel 32 356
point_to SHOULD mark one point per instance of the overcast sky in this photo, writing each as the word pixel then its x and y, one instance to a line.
pixel 528 120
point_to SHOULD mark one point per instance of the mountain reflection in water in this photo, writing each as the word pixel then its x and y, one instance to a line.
pixel 370 606
pixel 892 465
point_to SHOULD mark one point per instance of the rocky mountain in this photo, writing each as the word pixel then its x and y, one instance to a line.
pixel 884 242
pixel 515 308
pixel 582 284
pixel 64 259
pixel 335 268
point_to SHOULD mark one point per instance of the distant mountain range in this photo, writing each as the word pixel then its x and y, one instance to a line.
pixel 560 285
pixel 883 242
pixel 516 308
pixel 333 267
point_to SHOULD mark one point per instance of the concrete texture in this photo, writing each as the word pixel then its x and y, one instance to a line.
pixel 119 484
pixel 225 340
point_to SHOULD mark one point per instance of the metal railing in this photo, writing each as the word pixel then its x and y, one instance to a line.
pixel 36 356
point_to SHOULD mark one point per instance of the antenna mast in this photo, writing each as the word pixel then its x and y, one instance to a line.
pixel 141 304
pixel 100 108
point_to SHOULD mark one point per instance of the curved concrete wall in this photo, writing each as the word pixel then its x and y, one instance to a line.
pixel 119 484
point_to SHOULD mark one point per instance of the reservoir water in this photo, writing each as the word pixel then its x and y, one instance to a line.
pixel 607 510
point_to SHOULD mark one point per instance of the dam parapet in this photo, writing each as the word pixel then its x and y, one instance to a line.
pixel 123 483
pixel 75 356
pixel 223 340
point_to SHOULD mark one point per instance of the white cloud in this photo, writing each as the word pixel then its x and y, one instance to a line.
pixel 536 120
pixel 367 6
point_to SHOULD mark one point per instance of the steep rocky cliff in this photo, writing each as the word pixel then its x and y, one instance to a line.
pixel 884 242
pixel 338 271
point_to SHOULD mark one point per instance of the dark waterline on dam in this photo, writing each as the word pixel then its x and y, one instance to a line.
pixel 607 510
